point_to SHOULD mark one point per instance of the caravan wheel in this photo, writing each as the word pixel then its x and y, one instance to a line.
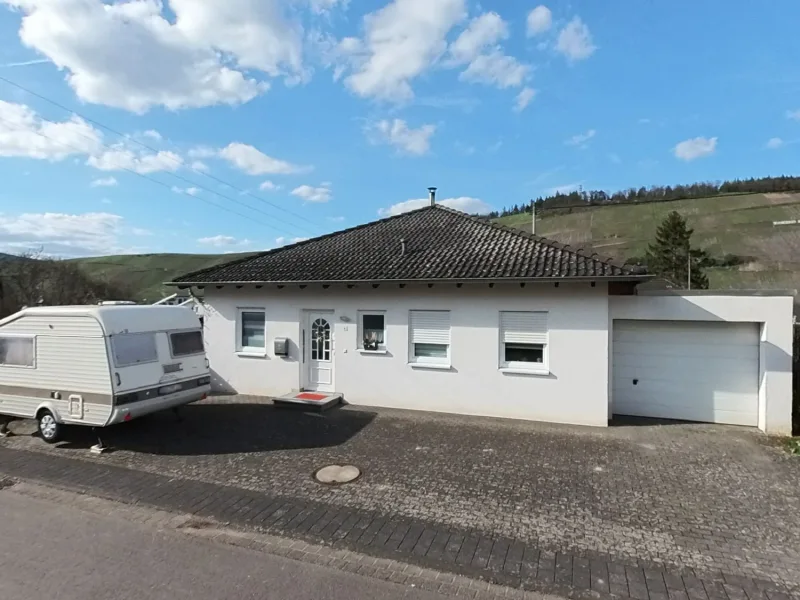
pixel 49 428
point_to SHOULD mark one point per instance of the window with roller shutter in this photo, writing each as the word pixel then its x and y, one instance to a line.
pixel 429 337
pixel 523 340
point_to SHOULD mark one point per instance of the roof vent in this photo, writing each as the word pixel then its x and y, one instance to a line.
pixel 402 247
pixel 432 195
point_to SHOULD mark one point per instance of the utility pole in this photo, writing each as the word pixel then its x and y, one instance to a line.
pixel 689 268
pixel 533 216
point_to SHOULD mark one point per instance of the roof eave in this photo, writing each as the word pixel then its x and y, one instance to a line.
pixel 583 278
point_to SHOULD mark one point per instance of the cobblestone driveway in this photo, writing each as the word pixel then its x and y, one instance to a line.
pixel 714 499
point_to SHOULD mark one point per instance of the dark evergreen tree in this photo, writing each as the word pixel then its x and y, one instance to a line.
pixel 671 254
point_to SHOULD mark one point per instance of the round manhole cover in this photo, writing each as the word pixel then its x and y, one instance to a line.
pixel 337 474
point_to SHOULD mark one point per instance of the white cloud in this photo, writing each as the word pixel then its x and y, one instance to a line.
pixel 336 219
pixel 283 241
pixel 775 143
pixel 254 162
pixel 141 232
pixel 523 99
pixel 269 186
pixel 191 191
pixel 614 158
pixel 793 114
pixel 199 165
pixel 313 194
pixel 104 182
pixel 105 201
pixel 540 19
pixel 144 53
pixel 566 188
pixel 401 41
pixel 322 7
pixel 482 33
pixel 575 41
pixel 222 241
pixel 581 139
pixel 152 134
pixel 644 121
pixel 397 133
pixel 61 234
pixel 119 158
pixel 465 204
pixel 695 148
pixel 202 152
pixel 23 133
pixel 497 69
pixel 465 149
pixel 477 46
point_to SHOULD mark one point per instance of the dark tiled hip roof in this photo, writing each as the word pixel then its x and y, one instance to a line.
pixel 440 244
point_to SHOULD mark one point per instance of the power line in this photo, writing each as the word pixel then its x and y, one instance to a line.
pixel 152 149
pixel 156 181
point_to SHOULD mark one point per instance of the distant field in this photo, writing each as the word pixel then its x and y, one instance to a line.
pixel 147 272
pixel 740 225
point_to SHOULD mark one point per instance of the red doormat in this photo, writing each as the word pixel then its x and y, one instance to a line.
pixel 310 396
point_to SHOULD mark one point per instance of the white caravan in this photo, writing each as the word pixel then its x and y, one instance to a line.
pixel 99 365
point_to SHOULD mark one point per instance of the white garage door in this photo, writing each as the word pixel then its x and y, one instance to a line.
pixel 696 371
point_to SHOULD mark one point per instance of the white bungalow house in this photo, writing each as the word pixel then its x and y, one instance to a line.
pixel 437 310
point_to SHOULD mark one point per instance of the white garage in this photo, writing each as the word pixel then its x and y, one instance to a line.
pixel 689 370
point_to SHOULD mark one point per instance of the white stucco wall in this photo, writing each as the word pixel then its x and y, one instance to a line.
pixel 575 392
pixel 772 313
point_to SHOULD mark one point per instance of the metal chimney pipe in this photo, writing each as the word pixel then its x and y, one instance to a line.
pixel 402 247
pixel 432 193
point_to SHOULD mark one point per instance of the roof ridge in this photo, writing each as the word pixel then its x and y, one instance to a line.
pixel 543 240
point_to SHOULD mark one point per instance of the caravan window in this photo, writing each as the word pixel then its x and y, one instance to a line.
pixel 184 343
pixel 134 349
pixel 17 351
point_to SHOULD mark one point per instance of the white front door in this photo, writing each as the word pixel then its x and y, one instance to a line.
pixel 319 351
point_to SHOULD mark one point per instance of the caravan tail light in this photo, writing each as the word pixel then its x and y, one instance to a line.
pixel 119 380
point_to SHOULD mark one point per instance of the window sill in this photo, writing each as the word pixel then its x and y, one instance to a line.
pixel 362 351
pixel 538 372
pixel 432 366
pixel 252 353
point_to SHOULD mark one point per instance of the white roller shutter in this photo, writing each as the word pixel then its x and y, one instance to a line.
pixel 430 327
pixel 523 327
pixel 694 371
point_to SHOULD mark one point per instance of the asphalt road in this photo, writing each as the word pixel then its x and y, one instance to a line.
pixel 53 551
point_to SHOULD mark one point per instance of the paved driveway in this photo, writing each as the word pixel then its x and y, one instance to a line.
pixel 713 499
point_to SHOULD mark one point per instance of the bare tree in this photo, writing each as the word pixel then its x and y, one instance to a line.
pixel 32 279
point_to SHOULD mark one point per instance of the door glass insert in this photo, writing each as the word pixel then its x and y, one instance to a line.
pixel 321 340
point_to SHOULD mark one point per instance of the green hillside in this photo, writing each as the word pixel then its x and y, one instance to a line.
pixel 146 273
pixel 741 225
pixel 736 224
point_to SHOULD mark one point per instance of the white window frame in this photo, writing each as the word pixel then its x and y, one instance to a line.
pixel 429 362
pixel 241 349
pixel 382 348
pixel 25 336
pixel 538 338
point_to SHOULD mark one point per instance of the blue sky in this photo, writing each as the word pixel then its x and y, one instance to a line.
pixel 250 123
